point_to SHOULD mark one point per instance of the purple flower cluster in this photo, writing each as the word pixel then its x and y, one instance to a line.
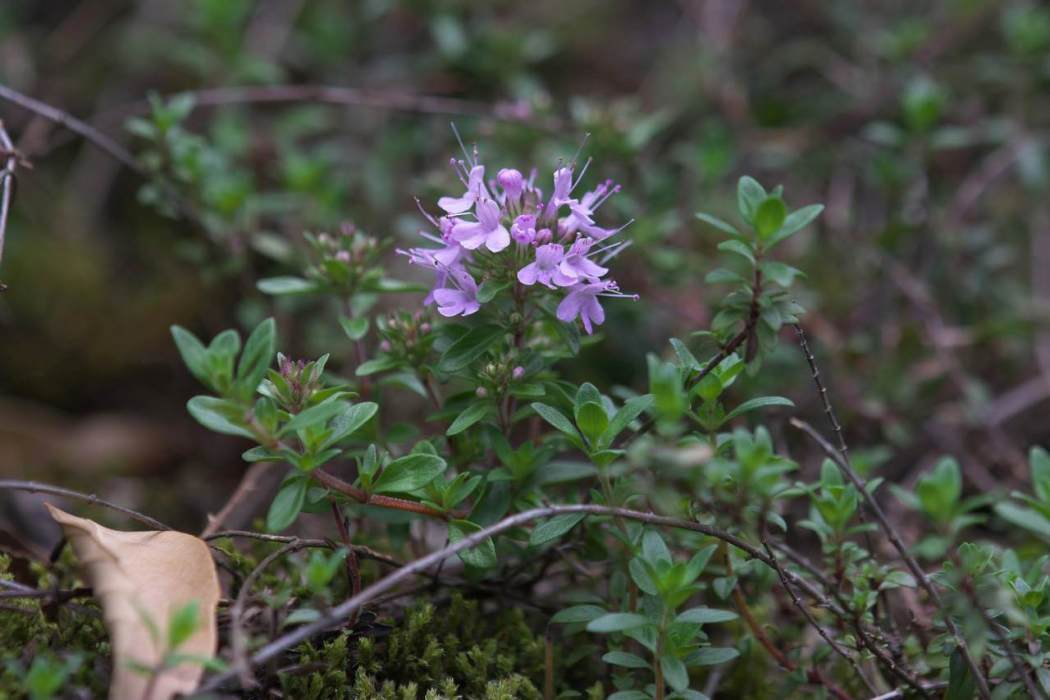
pixel 551 245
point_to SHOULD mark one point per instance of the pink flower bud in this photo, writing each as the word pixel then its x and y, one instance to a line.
pixel 511 182
pixel 481 392
pixel 518 372
pixel 385 346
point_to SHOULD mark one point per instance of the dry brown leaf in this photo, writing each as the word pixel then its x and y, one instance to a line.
pixel 140 574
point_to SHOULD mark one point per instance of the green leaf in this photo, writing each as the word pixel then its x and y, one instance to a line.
pixel 711 656
pixel 287 503
pixel 1039 462
pixel 469 347
pixel 261 454
pixel 218 415
pixel 481 555
pixel 194 355
pixel 961 683
pixel 631 409
pixel 739 248
pixel 674 671
pixel 183 624
pixel 617 622
pixel 280 286
pixel 749 195
pixel 756 403
pixel 769 217
pixel 704 616
pixel 355 328
pixel 623 658
pixel 555 418
pixel 255 360
pixel 721 275
pixel 654 549
pixel 489 289
pixel 471 415
pixel 629 695
pixel 1029 519
pixel 592 420
pixel 640 574
pixel 408 473
pixel 714 221
pixel 578 613
pixel 554 528
pixel 795 222
pixel 378 364
pixel 315 415
pixel 350 421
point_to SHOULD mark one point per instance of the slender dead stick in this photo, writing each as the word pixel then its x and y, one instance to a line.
pixel 238 642
pixel 358 549
pixel 346 608
pixel 35 487
pixel 898 544
pixel 7 180
pixel 836 647
pixel 249 482
pixel 354 97
pixel 75 125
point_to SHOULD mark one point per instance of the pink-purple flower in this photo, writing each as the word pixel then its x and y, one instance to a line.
pixel 544 267
pixel 560 250
pixel 460 299
pixel 488 230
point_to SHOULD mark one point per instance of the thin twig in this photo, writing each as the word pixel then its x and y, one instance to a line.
pixel 35 487
pixel 813 675
pixel 354 97
pixel 359 549
pixel 898 544
pixel 822 390
pixel 75 125
pixel 7 179
pixel 248 483
pixel 1034 690
pixel 900 693
pixel 836 647
pixel 343 610
pixel 334 483
pixel 238 642
pixel 353 572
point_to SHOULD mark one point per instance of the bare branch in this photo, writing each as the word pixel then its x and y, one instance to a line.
pixel 355 97
pixel 898 544
pixel 345 609
pixel 35 487
pixel 75 125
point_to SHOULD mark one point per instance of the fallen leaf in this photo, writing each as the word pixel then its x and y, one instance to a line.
pixel 142 579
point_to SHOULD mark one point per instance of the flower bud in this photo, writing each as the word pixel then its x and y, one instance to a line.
pixel 518 372
pixel 543 236
pixel 511 181
pixel 385 346
pixel 343 256
pixel 481 392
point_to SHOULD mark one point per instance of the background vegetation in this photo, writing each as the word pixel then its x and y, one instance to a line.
pixel 921 126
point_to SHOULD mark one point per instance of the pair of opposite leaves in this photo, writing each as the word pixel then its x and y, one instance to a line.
pixel 141 579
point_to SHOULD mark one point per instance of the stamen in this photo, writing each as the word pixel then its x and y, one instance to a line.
pixel 586 137
pixel 583 171
pixel 461 146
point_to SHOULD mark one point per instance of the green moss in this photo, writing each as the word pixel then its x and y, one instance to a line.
pixel 459 651
pixel 72 630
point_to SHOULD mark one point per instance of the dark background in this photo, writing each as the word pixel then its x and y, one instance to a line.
pixel 921 126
